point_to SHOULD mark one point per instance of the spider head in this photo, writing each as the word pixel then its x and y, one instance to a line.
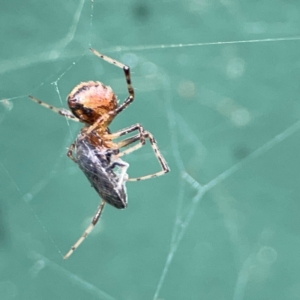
pixel 90 100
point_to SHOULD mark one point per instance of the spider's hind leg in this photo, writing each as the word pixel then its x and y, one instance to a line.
pixel 145 135
pixel 87 231
pixel 164 166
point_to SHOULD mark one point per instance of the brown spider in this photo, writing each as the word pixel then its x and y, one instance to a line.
pixel 96 105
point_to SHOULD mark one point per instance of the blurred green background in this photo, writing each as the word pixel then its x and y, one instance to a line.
pixel 217 83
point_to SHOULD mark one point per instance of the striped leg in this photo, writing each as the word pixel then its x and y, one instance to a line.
pixel 61 111
pixel 165 168
pixel 128 100
pixel 147 135
pixel 125 68
pixel 87 231
pixel 127 130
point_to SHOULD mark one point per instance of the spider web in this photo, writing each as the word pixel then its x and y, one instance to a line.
pixel 217 84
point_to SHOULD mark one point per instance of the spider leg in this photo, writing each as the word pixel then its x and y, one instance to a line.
pixel 147 135
pixel 120 132
pixel 130 89
pixel 87 231
pixel 61 111
pixel 164 166
pixel 125 68
pixel 127 142
pixel 128 130
pixel 131 149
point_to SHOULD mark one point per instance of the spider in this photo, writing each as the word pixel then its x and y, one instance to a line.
pixel 97 155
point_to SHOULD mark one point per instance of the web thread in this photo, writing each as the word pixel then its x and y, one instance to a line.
pixel 176 124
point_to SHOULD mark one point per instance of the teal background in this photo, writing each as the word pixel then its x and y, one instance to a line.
pixel 217 83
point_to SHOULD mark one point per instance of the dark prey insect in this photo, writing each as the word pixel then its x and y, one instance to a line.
pixel 97 155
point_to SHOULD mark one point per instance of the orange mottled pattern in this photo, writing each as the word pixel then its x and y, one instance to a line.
pixel 91 100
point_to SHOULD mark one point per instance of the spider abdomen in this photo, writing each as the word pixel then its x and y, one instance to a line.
pixel 90 100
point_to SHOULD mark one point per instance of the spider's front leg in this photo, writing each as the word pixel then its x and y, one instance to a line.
pixel 61 111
